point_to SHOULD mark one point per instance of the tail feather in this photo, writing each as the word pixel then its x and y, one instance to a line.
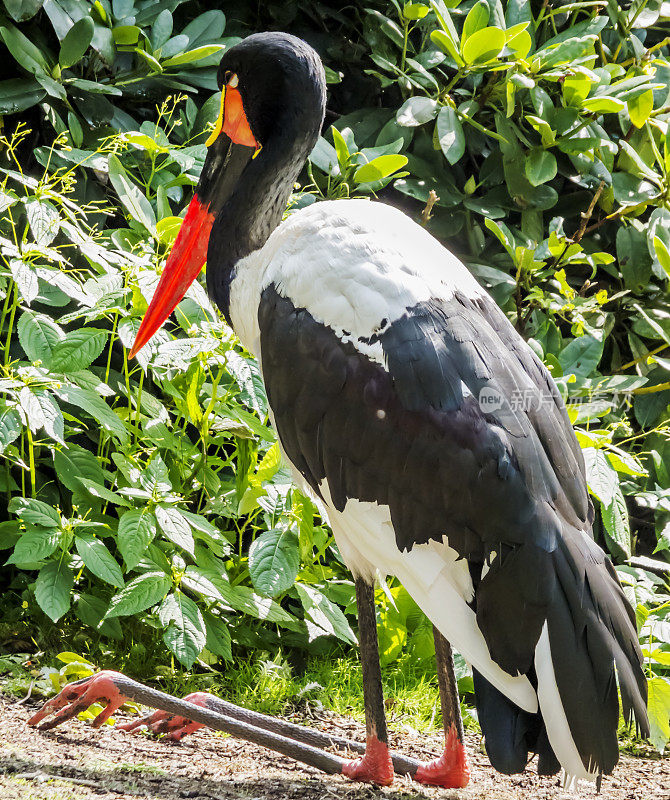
pixel 510 733
pixel 589 629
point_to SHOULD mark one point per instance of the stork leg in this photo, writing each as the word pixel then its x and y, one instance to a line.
pixel 376 765
pixel 451 770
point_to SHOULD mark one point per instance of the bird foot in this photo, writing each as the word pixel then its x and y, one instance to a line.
pixel 176 727
pixel 374 767
pixel 450 770
pixel 78 696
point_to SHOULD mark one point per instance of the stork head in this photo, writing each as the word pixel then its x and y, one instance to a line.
pixel 272 106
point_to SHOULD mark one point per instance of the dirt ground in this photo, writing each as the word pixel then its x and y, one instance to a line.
pixel 75 762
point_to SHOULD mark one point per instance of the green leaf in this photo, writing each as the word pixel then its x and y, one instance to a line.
pixel 602 479
pixel 415 11
pixel 100 491
pixel 388 27
pixel 140 594
pixel 615 519
pixel 155 478
pixel 18 94
pixel 633 256
pixel 130 195
pixel 99 560
pixel 22 10
pixel 74 464
pixel 662 254
pixel 341 148
pixel 52 589
pixel 378 168
pixel 324 613
pixel 477 18
pixel 24 51
pixel 51 417
pixel 193 55
pixel 90 402
pixel 640 107
pixel 25 279
pixel 484 45
pixel 626 463
pixel 44 221
pixel 137 529
pixel 540 166
pixel 175 526
pixel 520 44
pixel 161 30
pixel 186 634
pixel 447 45
pixel 78 350
pixel 34 512
pixel 241 598
pixel 218 636
pixel 10 427
pixel 416 111
pixel 38 336
pixel 450 134
pixel 207 26
pixel 249 379
pixel 274 560
pixel 658 706
pixel 76 42
pixel 603 105
pixel 126 34
pixel 34 545
pixel 91 611
pixel 581 356
pixel 269 465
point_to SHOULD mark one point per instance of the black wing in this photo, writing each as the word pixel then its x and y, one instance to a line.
pixel 499 484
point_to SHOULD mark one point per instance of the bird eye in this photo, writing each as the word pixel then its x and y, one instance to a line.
pixel 233 81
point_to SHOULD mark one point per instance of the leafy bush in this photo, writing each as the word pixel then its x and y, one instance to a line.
pixel 84 59
pixel 532 140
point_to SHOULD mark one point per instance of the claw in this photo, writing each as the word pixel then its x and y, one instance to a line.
pixel 175 726
pixel 375 766
pixel 78 696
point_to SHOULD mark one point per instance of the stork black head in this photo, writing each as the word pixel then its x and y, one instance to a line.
pixel 273 94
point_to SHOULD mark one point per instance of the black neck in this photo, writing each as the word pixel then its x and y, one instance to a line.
pixel 255 208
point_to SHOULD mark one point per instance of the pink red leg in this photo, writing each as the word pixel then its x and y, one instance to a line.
pixel 374 767
pixel 451 769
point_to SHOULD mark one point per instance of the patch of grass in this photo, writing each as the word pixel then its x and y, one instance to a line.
pixel 333 683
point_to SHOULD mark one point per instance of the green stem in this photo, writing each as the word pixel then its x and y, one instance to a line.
pixel 5 305
pixel 127 381
pixel 111 343
pixel 23 461
pixel 404 46
pixel 138 405
pixel 31 460
pixel 10 326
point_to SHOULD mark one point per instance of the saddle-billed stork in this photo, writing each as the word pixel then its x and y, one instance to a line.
pixel 377 347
